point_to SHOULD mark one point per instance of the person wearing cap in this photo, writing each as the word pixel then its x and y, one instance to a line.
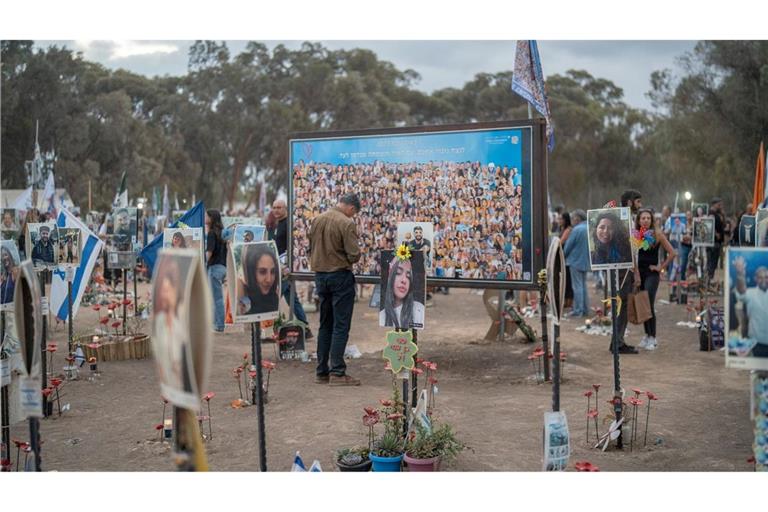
pixel 713 253
pixel 43 249
pixel 333 249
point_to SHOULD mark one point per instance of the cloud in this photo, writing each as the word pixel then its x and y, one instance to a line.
pixel 117 50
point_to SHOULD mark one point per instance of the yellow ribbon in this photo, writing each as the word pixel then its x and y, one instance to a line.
pixel 618 303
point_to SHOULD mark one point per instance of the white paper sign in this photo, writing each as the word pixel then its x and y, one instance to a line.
pixel 557 447
pixel 44 305
pixel 31 397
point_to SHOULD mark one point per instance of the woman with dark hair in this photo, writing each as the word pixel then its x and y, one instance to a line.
pixel 9 272
pixel 650 269
pixel 177 241
pixel 259 285
pixel 565 231
pixel 216 264
pixel 399 309
pixel 611 241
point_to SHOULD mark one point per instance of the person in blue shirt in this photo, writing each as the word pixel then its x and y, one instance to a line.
pixel 576 253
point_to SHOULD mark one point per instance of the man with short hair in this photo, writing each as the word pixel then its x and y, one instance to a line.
pixel 333 249
pixel 280 235
pixel 576 252
pixel 633 200
pixel 756 301
pixel 43 249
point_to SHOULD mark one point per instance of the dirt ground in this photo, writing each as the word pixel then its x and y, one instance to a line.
pixel 487 391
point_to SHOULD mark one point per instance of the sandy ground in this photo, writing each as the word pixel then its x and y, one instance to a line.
pixel 486 391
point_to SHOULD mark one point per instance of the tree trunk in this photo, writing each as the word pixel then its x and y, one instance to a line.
pixel 240 162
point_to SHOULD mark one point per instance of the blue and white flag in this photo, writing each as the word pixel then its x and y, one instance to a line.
pixel 121 197
pixel 91 249
pixel 194 218
pixel 528 82
pixel 49 194
pixel 298 464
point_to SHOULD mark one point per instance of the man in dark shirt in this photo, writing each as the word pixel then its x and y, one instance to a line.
pixel 43 250
pixel 716 210
pixel 280 235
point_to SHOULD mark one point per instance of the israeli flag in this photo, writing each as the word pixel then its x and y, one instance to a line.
pixel 298 464
pixel 91 249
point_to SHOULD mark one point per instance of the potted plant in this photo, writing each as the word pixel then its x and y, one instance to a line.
pixel 387 450
pixel 353 459
pixel 426 448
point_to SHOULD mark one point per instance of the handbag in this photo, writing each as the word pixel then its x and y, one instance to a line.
pixel 639 307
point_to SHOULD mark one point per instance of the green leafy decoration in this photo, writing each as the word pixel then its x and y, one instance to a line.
pixel 400 350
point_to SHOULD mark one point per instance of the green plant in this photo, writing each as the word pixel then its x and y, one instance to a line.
pixel 388 445
pixel 441 442
pixel 352 456
pixel 391 443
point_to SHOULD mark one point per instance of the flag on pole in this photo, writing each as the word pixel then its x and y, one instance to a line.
pixel 166 205
pixel 528 82
pixel 758 197
pixel 24 201
pixel 262 198
pixel 91 249
pixel 298 464
pixel 49 193
pixel 121 198
pixel 176 200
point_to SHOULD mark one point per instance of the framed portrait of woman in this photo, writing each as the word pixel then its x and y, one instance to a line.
pixel 9 273
pixel 253 274
pixel 403 291
pixel 610 246
pixel 185 238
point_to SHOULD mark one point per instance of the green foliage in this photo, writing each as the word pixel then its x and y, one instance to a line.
pixel 352 456
pixel 441 442
pixel 388 445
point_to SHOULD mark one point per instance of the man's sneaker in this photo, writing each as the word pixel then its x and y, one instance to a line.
pixel 652 344
pixel 644 343
pixel 322 379
pixel 627 349
pixel 343 380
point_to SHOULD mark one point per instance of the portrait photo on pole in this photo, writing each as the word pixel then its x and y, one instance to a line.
pixel 125 227
pixel 28 321
pixel 9 224
pixel 42 238
pixel 474 184
pixel 253 276
pixel 700 209
pixel 9 273
pixel 678 224
pixel 69 246
pixel 747 233
pixel 610 246
pixel 185 238
pixel 291 342
pixel 246 233
pixel 418 236
pixel 746 308
pixel 704 231
pixel 761 222
pixel 403 289
pixel 171 334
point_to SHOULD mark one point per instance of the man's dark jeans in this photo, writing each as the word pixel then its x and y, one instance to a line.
pixel 626 283
pixel 713 256
pixel 337 299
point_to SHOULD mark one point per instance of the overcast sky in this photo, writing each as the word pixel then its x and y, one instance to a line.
pixel 628 64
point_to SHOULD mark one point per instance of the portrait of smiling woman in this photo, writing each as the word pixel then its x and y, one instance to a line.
pixel 258 283
pixel 609 243
pixel 403 291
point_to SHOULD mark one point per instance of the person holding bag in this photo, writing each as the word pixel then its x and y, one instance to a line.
pixel 649 238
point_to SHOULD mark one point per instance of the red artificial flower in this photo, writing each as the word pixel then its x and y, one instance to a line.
pixel 386 403
pixel 104 320
pixel 115 325
pixel 420 360
pixel 585 466
pixel 56 382
pixel 592 413
pixel 371 419
pixel 159 426
pixel 165 400
pixel 93 346
pixel 635 401
pixel 245 355
pixel 651 395
pixel 538 352
pixel 532 357
pixel 433 366
pixel 47 392
pixel 394 416
pixel 127 302
pixel 563 355
pixel 96 307
pixel 751 459
pixel 369 410
pixel 596 386
pixel 252 374
pixel 51 347
pixel 268 365
pixel 417 371
pixel 236 372
pixel 207 397
pixel 637 391
pixel 20 444
pixel 588 394
pixel 112 306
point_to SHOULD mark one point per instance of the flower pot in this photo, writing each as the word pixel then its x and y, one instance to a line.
pixel 384 464
pixel 432 464
pixel 362 467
